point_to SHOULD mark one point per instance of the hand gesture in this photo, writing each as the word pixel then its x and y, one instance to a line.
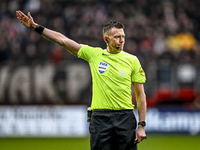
pixel 26 20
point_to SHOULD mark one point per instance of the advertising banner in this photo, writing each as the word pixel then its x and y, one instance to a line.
pixel 43 121
pixel 172 121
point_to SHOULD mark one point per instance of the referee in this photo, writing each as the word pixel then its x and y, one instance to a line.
pixel 113 123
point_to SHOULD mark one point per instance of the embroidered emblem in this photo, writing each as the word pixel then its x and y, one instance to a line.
pixel 122 73
pixel 103 67
pixel 105 54
pixel 142 71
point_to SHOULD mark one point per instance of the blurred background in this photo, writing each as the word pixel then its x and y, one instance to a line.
pixel 45 90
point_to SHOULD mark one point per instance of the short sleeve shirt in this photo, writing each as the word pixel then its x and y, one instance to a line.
pixel 112 76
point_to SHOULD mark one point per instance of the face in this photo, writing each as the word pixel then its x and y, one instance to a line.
pixel 115 40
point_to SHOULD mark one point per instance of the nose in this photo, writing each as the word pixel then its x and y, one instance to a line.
pixel 121 40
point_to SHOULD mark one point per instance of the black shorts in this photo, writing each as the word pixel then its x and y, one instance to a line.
pixel 113 130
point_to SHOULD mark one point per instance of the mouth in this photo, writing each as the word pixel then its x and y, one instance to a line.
pixel 120 46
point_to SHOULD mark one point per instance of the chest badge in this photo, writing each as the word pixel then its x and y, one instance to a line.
pixel 102 67
pixel 122 73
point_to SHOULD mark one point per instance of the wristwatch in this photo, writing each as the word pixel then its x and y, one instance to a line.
pixel 142 123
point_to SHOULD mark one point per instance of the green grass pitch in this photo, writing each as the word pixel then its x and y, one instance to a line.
pixel 153 142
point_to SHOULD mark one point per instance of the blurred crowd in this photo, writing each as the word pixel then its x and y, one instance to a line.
pixel 163 34
pixel 154 28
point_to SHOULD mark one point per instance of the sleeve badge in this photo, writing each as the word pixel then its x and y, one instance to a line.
pixel 142 71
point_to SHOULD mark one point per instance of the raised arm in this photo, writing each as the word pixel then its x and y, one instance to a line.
pixel 54 36
pixel 141 106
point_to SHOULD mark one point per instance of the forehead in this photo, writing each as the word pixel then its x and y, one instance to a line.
pixel 117 31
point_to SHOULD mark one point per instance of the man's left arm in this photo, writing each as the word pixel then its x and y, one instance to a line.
pixel 141 106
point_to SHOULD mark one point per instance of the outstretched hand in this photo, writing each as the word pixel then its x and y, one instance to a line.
pixel 26 20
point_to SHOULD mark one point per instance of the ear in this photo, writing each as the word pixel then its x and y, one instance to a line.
pixel 105 39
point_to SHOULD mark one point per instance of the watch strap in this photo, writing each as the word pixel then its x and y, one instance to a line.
pixel 142 123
